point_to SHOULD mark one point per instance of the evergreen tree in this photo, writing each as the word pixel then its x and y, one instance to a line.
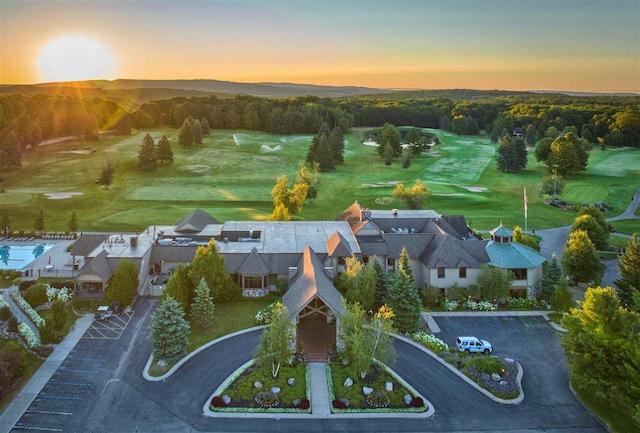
pixel 164 151
pixel 389 135
pixel 512 155
pixel 495 135
pixel 445 123
pixel 552 276
pixel 275 345
pixel 170 332
pixel 459 125
pixel 336 143
pixel 123 126
pixel 185 135
pixel 147 155
pixel 202 308
pixel 404 264
pixel 380 293
pixel 180 288
pixel 312 152
pixel 388 155
pixel 530 135
pixel 11 151
pixel 413 137
pixel 196 128
pixel 325 154
pixel 406 161
pixel 204 124
pixel 73 222
pixel 123 284
pixel 5 222
pixel 38 224
pixel 472 126
pixel 562 297
pixel 209 264
pixel 629 271
pixel 580 260
pixel 404 300
pixel 596 233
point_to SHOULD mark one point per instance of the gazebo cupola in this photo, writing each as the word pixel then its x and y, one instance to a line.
pixel 501 235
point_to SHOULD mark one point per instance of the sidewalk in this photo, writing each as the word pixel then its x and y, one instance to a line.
pixel 319 390
pixel 21 403
pixel 17 312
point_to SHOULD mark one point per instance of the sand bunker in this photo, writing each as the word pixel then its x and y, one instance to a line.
pixel 451 194
pixel 370 143
pixel 61 195
pixel 265 148
pixel 474 188
pixel 78 152
pixel 381 184
pixel 195 168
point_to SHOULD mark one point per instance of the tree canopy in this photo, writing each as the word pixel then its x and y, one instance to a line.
pixel 415 196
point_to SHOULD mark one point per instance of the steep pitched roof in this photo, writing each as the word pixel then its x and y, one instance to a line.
pixel 85 244
pixel 97 269
pixel 502 231
pixel 415 243
pixel 449 252
pixel 253 265
pixel 310 283
pixel 353 216
pixel 513 256
pixel 195 221
pixel 457 224
pixel 337 246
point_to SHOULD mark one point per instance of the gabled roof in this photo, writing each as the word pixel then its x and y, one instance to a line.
pixel 450 252
pixel 415 243
pixel 353 216
pixel 513 256
pixel 85 244
pixel 98 269
pixel 337 246
pixel 312 282
pixel 501 231
pixel 253 265
pixel 457 225
pixel 195 222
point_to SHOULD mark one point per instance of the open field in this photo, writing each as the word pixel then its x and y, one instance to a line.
pixel 628 227
pixel 232 174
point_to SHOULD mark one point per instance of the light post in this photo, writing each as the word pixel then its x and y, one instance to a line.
pixel 555 180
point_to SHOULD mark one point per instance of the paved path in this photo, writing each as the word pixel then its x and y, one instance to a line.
pixel 20 404
pixel 17 312
pixel 319 389
pixel 630 212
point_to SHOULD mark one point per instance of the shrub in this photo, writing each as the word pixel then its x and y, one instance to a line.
pixel 16 281
pixel 282 285
pixel 12 324
pixel 5 311
pixel 36 295
pixel 450 305
pixel 524 303
pixel 32 339
pixel 25 284
pixel 217 402
pixel 378 398
pixel 27 309
pixel 304 404
pixel 457 293
pixel 431 296
pixel 479 306
pixel 267 399
pixel 338 404
pixel 430 341
pixel 3 302
pixel 62 284
pixel 263 317
pixel 44 350
pixel 486 364
pixel 417 402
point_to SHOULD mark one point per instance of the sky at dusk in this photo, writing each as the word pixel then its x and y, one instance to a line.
pixel 512 45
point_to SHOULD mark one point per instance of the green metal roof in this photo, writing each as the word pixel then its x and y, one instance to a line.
pixel 513 256
pixel 502 232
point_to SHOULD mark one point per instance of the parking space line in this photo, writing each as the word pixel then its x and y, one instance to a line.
pixel 23 427
pixel 58 397
pixel 49 412
pixel 68 383
pixel 71 370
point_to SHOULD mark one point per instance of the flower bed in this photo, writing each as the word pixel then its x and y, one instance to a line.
pixel 506 386
pixel 27 309
pixel 32 339
pixel 380 400
pixel 245 397
pixel 3 302
pixel 526 304
pixel 430 341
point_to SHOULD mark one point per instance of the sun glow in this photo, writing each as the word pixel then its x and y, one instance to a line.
pixel 75 57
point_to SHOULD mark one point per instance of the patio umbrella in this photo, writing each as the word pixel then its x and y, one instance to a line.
pixel 49 259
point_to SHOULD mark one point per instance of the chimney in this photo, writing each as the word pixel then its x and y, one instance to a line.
pixel 293 270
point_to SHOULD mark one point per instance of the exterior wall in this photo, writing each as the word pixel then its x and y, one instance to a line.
pixel 416 266
pixel 452 277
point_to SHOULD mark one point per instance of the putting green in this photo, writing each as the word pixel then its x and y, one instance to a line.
pixel 585 193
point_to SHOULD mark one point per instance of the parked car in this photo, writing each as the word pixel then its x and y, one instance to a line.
pixel 473 344
pixel 104 312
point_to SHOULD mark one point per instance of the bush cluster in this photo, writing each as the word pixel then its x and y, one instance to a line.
pixel 263 317
pixel 25 284
pixel 506 388
pixel 430 341
pixel 27 309
pixel 526 304
pixel 32 339
pixel 36 295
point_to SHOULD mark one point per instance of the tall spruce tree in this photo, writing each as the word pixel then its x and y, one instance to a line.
pixel 380 294
pixel 147 155
pixel 11 151
pixel 73 222
pixel 38 224
pixel 204 124
pixel 196 128
pixel 388 154
pixel 170 332
pixel 185 134
pixel 202 309
pixel 325 154
pixel 552 276
pixel 336 143
pixel 629 270
pixel 404 300
pixel 164 151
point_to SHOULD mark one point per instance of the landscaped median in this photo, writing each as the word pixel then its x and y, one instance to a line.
pixel 504 387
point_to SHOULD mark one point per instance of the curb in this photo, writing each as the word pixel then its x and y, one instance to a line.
pixel 584 405
pixel 147 376
pixel 555 326
pixel 516 400
pixel 487 313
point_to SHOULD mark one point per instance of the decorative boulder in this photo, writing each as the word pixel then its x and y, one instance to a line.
pixel 275 390
pixel 226 399
pixel 345 401
pixel 407 399
pixel 503 382
pixel 485 376
pixel 162 363
pixel 257 384
pixel 496 377
pixel 388 386
pixel 296 402
pixel 509 360
pixel 366 390
pixel 291 381
pixel 348 382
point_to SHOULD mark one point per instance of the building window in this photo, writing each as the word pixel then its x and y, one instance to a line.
pixel 462 272
pixel 519 274
pixel 391 265
pixel 253 283
pixel 440 272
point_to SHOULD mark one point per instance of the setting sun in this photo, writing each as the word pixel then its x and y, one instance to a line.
pixel 70 58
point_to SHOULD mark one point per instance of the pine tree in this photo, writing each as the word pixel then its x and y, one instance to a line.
pixel 147 155
pixel 164 151
pixel 325 155
pixel 445 123
pixel 123 284
pixel 404 264
pixel 312 152
pixel 209 264
pixel 204 124
pixel 629 270
pixel 170 335
pixel 512 155
pixel 336 143
pixel 202 308
pixel 404 300
pixel 389 135
pixel 275 345
pixel 185 135
pixel 124 125
pixel 73 222
pixel 552 276
pixel 180 288
pixel 380 294
pixel 413 137
pixel 472 126
pixel 39 222
pixel 388 155
pixel 196 127
pixel 580 260
pixel 530 135
pixel 11 150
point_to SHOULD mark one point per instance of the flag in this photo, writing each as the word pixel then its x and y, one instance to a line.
pixel 526 202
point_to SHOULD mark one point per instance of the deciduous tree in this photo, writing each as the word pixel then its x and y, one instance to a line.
pixel 209 264
pixel 275 345
pixel 389 135
pixel 512 155
pixel 360 282
pixel 599 237
pixel 11 150
pixel 629 271
pixel 124 283
pixel 459 125
pixel 494 283
pixel 180 288
pixel 580 260
pixel 415 196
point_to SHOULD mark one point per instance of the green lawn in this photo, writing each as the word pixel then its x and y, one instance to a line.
pixel 628 227
pixel 232 173
pixel 70 319
pixel 618 418
pixel 32 364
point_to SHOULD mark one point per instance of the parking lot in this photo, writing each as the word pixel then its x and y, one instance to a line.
pixel 109 329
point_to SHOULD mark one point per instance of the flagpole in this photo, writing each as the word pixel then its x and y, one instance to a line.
pixel 526 203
